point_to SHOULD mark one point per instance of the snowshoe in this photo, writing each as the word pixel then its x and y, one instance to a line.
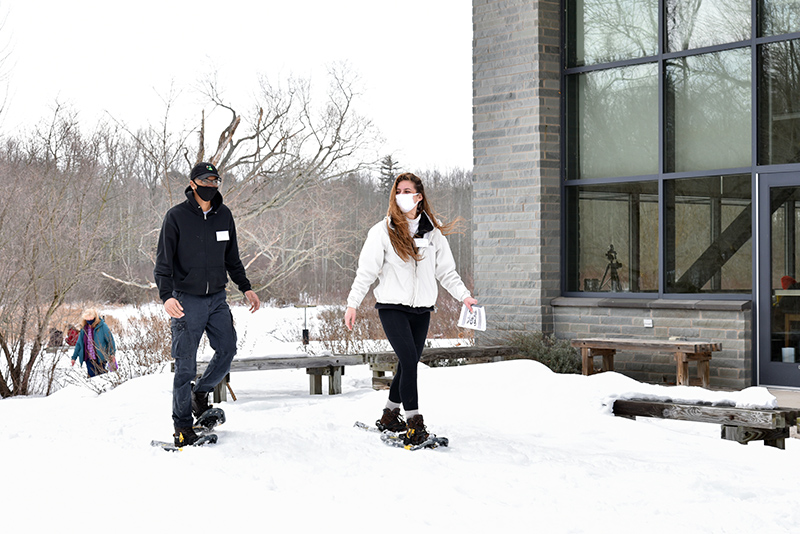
pixel 209 419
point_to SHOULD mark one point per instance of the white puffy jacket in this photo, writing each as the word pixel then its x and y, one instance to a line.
pixel 411 283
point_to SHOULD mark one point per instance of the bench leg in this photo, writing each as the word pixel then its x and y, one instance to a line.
pixel 779 443
pixel 335 381
pixel 704 370
pixel 682 371
pixel 334 374
pixel 587 361
pixel 379 378
pixel 315 384
pixel 703 360
pixel 775 437
pixel 608 359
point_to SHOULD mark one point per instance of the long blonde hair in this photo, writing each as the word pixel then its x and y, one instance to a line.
pixel 399 235
pixel 95 321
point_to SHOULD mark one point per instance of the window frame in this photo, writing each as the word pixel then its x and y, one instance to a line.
pixel 661 58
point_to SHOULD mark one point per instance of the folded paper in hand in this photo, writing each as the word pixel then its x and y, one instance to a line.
pixel 475 319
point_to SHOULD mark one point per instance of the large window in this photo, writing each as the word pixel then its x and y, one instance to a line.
pixel 708 111
pixel 615 230
pixel 708 234
pixel 604 31
pixel 659 153
pixel 614 119
pixel 779 103
pixel 779 17
pixel 699 23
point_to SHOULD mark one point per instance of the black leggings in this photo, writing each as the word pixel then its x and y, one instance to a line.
pixel 406 333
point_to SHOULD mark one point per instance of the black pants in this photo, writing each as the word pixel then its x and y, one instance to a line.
pixel 202 313
pixel 406 333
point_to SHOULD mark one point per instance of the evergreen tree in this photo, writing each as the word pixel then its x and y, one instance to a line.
pixel 390 168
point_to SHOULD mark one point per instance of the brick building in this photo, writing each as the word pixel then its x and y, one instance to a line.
pixel 638 163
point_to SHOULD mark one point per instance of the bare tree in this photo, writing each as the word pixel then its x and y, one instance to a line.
pixel 290 144
pixel 292 141
pixel 53 230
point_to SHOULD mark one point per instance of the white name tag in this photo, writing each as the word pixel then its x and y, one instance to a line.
pixel 223 236
pixel 421 242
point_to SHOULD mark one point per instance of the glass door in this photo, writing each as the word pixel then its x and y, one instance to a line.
pixel 779 280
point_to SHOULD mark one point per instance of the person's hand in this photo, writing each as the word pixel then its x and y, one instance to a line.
pixel 73 363
pixel 252 298
pixel 469 302
pixel 173 308
pixel 350 318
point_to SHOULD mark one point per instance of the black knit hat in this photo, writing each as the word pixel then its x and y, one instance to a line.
pixel 203 170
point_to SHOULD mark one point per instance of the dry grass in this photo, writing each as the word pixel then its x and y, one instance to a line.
pixel 336 338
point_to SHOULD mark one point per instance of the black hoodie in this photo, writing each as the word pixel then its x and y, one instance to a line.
pixel 197 251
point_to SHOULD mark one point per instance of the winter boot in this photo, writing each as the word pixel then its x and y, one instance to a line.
pixel 416 433
pixel 391 420
pixel 199 402
pixel 185 436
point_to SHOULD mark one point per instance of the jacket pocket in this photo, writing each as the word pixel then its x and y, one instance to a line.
pixel 192 280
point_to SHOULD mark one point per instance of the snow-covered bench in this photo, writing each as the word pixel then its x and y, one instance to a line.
pixel 333 366
pixel 772 425
pixel 382 362
pixel 316 367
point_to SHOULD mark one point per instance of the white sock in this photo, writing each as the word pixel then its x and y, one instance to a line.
pixel 411 413
pixel 392 405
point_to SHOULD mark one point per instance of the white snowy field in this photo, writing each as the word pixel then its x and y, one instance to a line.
pixel 531 451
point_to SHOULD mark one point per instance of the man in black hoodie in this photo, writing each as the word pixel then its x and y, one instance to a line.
pixel 197 250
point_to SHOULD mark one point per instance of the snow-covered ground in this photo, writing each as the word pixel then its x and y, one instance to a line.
pixel 531 451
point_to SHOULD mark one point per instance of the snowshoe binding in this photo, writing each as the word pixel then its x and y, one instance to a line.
pixel 391 421
pixel 416 433
pixel 200 403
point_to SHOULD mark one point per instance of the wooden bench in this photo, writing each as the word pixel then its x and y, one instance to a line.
pixel 381 363
pixel 685 351
pixel 738 424
pixel 316 367
pixel 333 366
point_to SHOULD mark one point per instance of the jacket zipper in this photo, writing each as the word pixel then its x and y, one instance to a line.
pixel 205 229
pixel 414 294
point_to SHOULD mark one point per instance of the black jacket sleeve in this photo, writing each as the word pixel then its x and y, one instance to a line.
pixel 233 264
pixel 165 257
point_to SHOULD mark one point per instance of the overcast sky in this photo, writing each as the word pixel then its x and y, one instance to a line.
pixel 412 57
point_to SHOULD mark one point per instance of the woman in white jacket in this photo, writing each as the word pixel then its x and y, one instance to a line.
pixel 407 252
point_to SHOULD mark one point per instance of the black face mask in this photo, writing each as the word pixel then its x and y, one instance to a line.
pixel 206 193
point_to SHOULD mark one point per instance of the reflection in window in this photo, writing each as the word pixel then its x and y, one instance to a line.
pixel 601 31
pixel 612 242
pixel 708 234
pixel 613 119
pixel 785 208
pixel 698 23
pixel 708 111
pixel 779 101
pixel 785 247
pixel 779 17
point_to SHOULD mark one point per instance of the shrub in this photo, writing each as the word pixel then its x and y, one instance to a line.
pixel 557 354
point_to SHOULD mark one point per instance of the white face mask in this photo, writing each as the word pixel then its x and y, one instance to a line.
pixel 406 201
